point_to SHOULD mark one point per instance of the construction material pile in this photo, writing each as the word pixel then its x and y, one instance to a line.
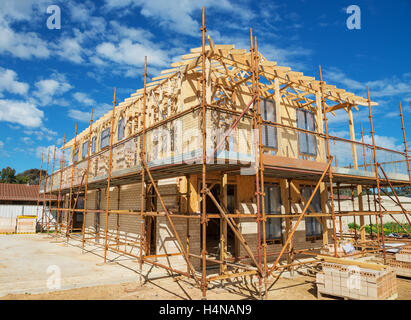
pixel 344 248
pixel 26 224
pixel 402 262
pixel 355 282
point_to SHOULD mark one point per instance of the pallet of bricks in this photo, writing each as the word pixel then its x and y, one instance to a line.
pixel 356 283
pixel 402 262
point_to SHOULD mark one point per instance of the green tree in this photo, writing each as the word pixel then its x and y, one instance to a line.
pixel 8 175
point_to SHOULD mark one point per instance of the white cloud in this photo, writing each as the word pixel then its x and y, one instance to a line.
pixel 83 98
pixel 132 53
pixel 383 141
pixel 38 151
pixel 47 89
pixel 8 82
pixel 178 15
pixel 378 88
pixel 71 49
pixel 21 112
pixel 22 45
pixel 84 116
pixel 1 144
pixel 41 134
pixel 334 75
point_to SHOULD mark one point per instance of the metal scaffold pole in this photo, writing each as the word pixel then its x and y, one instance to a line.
pixel 71 183
pixel 38 194
pixel 45 191
pixel 203 164
pixel 83 229
pixel 110 159
pixel 143 189
pixel 60 183
pixel 377 176
pixel 329 157
pixel 51 188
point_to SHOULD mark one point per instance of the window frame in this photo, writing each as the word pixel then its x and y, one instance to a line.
pixel 305 135
pixel 107 136
pixel 270 237
pixel 84 153
pixel 121 122
pixel 266 128
pixel 312 221
pixel 75 156
pixel 93 145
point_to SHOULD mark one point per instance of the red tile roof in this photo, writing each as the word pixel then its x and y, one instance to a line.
pixel 20 192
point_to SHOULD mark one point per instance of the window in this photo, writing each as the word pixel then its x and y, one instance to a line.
pixel 76 154
pixel 272 202
pixel 313 228
pixel 307 142
pixel 268 133
pixel 84 150
pixel 105 138
pixel 121 129
pixel 93 144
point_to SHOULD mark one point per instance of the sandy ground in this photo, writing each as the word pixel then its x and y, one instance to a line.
pixel 120 280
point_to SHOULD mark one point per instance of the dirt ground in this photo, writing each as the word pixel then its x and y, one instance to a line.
pixel 118 280
pixel 300 288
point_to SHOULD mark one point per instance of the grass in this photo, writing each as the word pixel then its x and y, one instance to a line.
pixel 389 227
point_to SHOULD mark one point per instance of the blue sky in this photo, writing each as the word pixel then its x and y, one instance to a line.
pixel 49 79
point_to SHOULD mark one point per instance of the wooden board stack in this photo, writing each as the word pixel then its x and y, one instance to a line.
pixel 358 283
pixel 402 262
pixel 26 224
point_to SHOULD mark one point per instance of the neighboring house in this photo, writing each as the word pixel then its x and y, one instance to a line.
pixel 20 200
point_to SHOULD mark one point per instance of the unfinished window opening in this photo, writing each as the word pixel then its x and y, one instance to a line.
pixel 93 144
pixel 76 154
pixel 105 138
pixel 84 150
pixel 313 228
pixel 268 132
pixel 121 129
pixel 307 142
pixel 272 202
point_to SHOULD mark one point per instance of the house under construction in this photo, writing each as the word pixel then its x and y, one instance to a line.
pixel 223 167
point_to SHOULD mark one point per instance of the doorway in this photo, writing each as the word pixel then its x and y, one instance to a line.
pixel 213 228
pixel 150 222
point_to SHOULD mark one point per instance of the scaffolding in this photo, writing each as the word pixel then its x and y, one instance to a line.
pixel 330 177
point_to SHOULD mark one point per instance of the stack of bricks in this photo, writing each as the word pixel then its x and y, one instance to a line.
pixel 353 282
pixel 402 262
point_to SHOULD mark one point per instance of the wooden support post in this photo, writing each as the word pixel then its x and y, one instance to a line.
pixel 38 194
pixel 286 194
pixel 405 142
pixel 339 211
pixel 203 164
pixel 377 177
pixel 51 188
pixel 223 223
pixel 87 172
pixel 329 157
pixel 355 163
pixel 60 183
pixel 110 159
pixel 73 151
pixel 45 191
pixel 143 231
